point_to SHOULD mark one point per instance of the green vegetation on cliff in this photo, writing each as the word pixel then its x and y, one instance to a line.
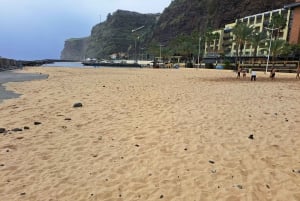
pixel 115 36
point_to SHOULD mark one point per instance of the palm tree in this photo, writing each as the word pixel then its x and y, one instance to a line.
pixel 209 38
pixel 257 39
pixel 242 34
pixel 277 48
pixel 278 22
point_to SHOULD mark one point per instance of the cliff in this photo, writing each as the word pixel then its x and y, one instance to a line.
pixel 115 36
pixel 75 49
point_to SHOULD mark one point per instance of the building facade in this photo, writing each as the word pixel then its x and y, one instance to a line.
pixel 291 33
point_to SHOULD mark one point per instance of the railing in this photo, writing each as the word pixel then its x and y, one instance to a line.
pixel 281 66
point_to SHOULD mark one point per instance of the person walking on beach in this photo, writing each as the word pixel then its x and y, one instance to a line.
pixel 298 72
pixel 272 73
pixel 253 75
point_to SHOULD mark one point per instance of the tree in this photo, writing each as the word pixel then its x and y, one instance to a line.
pixel 277 48
pixel 242 33
pixel 257 39
pixel 209 38
pixel 295 48
pixel 278 22
pixel 184 45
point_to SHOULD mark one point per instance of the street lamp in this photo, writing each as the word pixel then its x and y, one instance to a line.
pixel 199 51
pixel 271 38
pixel 134 30
pixel 160 51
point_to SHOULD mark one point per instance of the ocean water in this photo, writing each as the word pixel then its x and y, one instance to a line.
pixel 65 64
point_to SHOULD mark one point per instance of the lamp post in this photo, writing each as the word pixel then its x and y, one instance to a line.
pixel 132 31
pixel 199 51
pixel 271 38
pixel 160 51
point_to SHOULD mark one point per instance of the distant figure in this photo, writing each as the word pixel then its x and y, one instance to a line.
pixel 238 73
pixel 298 72
pixel 244 72
pixel 253 75
pixel 272 73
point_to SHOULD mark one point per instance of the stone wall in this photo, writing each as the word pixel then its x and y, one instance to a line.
pixel 9 64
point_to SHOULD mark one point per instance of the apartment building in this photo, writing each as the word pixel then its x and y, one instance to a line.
pixel 291 33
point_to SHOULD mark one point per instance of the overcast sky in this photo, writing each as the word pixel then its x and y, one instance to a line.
pixel 37 29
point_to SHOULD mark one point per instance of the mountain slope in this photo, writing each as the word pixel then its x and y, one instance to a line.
pixel 185 16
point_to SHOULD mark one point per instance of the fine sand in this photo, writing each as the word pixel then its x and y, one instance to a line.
pixel 151 134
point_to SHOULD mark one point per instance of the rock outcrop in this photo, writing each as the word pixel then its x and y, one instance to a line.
pixel 75 49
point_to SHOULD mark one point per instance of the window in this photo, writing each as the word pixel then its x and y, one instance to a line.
pixel 259 19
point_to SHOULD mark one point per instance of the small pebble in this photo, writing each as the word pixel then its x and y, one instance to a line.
pixel 185 149
pixel 212 162
pixel 26 128
pixel 77 105
pixel 22 193
pixel 251 137
pixel 17 129
pixel 161 196
pixel 19 138
pixel 68 119
pixel 2 130
pixel 1 165
pixel 37 123
pixel 268 186
pixel 240 186
pixel 137 145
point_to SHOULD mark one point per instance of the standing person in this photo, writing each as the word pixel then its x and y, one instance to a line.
pixel 272 73
pixel 238 72
pixel 298 72
pixel 244 72
pixel 253 75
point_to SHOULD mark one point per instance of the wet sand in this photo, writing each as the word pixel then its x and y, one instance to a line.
pixel 151 134
pixel 14 76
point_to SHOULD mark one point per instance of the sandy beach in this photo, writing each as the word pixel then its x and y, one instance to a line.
pixel 150 134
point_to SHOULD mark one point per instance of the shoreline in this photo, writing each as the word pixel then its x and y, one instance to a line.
pixel 15 76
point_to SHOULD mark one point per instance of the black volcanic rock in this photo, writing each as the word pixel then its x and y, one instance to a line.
pixel 77 105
